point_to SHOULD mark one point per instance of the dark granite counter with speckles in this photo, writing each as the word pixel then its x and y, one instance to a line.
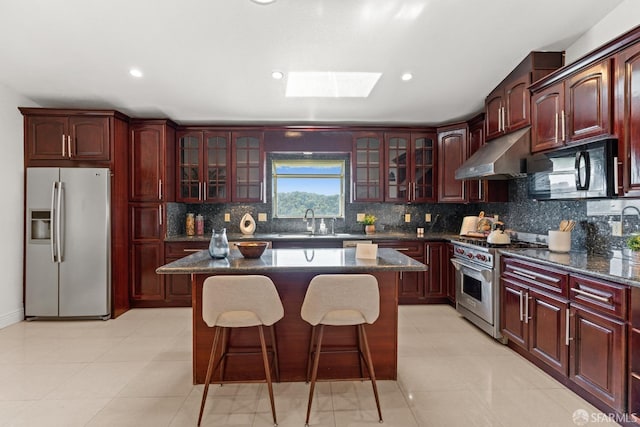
pixel 305 236
pixel 614 268
pixel 286 260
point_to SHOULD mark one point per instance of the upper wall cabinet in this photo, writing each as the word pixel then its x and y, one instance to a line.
pixel 574 109
pixel 67 137
pixel 483 190
pixel 628 118
pixel 410 167
pixel 248 167
pixel 367 166
pixel 204 159
pixel 452 152
pixel 151 161
pixel 507 108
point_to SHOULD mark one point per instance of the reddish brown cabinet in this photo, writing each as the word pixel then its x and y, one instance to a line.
pixel 507 107
pixel 451 275
pixel 367 165
pixel 534 307
pixel 628 118
pixel 572 109
pixel 452 152
pixel 572 324
pixel 204 166
pixel 151 161
pixel 410 160
pixel 69 137
pixel 598 338
pixel 248 167
pixel 151 185
pixel 435 282
pixel 147 251
pixel 177 287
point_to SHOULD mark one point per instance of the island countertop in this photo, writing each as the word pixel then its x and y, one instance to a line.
pixel 276 260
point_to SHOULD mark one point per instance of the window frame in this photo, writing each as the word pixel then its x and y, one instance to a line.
pixel 297 162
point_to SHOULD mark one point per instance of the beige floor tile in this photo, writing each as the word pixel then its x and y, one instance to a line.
pixel 451 408
pixel 9 409
pixel 97 380
pixel 138 412
pixel 391 418
pixel 136 349
pixel 160 379
pixel 34 381
pixel 59 413
pixel 358 395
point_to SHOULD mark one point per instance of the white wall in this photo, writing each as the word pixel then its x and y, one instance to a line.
pixel 12 211
pixel 618 21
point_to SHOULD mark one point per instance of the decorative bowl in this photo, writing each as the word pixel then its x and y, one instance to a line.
pixel 252 249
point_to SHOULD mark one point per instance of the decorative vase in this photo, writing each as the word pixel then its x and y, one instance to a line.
pixel 369 229
pixel 219 245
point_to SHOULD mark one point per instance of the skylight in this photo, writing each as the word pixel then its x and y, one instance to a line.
pixel 330 84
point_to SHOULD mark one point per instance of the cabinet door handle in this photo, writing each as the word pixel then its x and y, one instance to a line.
pixel 191 250
pixel 526 307
pixel 69 145
pixel 504 126
pixel 263 196
pixel 590 295
pixel 204 190
pixel 564 131
pixel 353 192
pixel 159 189
pixel 480 196
pixel 556 131
pixel 199 191
pixel 521 311
pixel 64 146
pixel 401 249
pixel 520 273
pixel 160 214
pixel 499 119
pixel 566 329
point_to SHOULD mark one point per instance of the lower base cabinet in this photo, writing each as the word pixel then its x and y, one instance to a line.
pixel 428 287
pixel 572 326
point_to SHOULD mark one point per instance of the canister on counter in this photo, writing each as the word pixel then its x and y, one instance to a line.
pixel 190 224
pixel 199 225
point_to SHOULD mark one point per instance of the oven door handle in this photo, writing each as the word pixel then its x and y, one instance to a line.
pixel 486 273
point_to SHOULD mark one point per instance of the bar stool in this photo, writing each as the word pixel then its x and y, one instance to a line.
pixel 239 302
pixel 341 300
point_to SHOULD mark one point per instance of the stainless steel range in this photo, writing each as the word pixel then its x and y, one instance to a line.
pixel 478 279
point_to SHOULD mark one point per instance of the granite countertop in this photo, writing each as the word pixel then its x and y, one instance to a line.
pixel 613 267
pixel 305 236
pixel 286 260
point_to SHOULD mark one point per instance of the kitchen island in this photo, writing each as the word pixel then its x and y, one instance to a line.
pixel 291 270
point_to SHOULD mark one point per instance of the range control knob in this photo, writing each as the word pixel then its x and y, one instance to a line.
pixel 481 257
pixel 470 256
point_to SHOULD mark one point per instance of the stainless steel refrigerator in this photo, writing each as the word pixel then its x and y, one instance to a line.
pixel 68 243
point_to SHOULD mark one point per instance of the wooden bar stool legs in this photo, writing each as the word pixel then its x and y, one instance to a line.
pixel 341 300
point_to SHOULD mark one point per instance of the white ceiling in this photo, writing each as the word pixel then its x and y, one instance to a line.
pixel 208 61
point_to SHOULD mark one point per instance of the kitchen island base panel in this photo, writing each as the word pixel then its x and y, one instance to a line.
pixel 293 335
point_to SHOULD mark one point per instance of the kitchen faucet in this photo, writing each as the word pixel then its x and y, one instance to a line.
pixel 312 228
pixel 622 217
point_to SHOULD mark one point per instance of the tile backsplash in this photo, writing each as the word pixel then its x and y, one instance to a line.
pixel 592 232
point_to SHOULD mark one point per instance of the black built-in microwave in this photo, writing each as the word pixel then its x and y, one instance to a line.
pixel 583 172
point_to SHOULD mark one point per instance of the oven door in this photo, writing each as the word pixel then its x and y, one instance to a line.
pixel 474 289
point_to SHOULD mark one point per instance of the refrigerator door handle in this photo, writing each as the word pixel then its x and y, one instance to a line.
pixel 52 240
pixel 59 215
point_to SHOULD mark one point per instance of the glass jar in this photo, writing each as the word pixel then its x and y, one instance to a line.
pixel 199 225
pixel 219 245
pixel 190 224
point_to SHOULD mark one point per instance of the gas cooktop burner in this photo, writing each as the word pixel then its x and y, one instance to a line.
pixel 482 242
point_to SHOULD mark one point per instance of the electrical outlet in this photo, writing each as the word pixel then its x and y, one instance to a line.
pixel 427 217
pixel 360 217
pixel 616 228
pixel 496 217
pixel 407 217
pixel 262 217
pixel 227 217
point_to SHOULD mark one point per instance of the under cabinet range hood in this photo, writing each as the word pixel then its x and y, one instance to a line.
pixel 502 158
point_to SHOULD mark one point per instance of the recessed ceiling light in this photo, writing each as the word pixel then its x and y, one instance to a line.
pixel 330 84
pixel 278 75
pixel 406 77
pixel 135 72
pixel 263 1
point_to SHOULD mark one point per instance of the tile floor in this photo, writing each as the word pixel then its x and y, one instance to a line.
pixel 136 371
